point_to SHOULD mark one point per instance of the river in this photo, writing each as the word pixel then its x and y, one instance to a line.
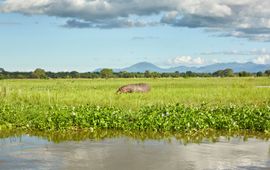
pixel 124 152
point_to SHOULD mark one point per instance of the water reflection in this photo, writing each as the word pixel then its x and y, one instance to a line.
pixel 117 150
pixel 185 138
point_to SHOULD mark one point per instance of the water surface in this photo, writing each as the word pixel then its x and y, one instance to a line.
pixel 125 152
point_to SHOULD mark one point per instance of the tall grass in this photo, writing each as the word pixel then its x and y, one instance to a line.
pixel 194 91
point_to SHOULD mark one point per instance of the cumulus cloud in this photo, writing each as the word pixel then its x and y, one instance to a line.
pixel 248 19
pixel 111 23
pixel 88 10
pixel 186 60
pixel 73 23
pixel 265 59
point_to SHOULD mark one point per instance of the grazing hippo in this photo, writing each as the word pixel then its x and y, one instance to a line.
pixel 130 88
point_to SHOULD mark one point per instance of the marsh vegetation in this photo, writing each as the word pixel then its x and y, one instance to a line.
pixel 179 105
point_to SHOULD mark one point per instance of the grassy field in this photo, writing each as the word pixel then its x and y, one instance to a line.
pixel 193 91
pixel 172 105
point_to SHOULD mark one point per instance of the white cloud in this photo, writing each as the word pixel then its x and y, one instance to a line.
pixel 265 59
pixel 235 18
pixel 186 60
pixel 214 61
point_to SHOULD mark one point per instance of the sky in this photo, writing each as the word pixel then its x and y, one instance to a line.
pixel 82 35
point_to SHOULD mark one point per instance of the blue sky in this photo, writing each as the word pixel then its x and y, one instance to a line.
pixel 32 36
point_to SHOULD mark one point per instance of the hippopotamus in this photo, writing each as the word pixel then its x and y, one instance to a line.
pixel 130 88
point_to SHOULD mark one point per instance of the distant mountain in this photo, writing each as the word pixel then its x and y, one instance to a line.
pixel 182 69
pixel 237 67
pixel 139 67
pixel 142 67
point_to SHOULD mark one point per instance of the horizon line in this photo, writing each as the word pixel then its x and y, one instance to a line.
pixel 147 62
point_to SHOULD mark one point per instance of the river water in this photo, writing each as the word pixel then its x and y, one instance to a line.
pixel 128 153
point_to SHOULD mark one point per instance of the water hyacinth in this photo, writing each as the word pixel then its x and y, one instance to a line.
pixel 173 118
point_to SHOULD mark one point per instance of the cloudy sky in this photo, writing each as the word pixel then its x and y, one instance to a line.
pixel 85 34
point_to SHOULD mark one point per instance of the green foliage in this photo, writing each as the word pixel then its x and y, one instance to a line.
pixel 224 73
pixel 92 104
pixel 171 118
pixel 2 70
pixel 259 74
pixel 74 74
pixel 39 73
pixel 267 72
pixel 106 73
pixel 246 74
pixel 187 91
pixel 147 74
pixel 228 72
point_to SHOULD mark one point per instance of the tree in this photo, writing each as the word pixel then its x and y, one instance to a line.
pixel 176 74
pixel 39 73
pixel 74 74
pixel 190 74
pixel 218 73
pixel 106 73
pixel 259 74
pixel 2 70
pixel 155 74
pixel 2 76
pixel 267 72
pixel 147 74
pixel 228 72
pixel 224 73
pixel 244 74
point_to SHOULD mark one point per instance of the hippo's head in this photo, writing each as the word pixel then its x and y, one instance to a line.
pixel 124 89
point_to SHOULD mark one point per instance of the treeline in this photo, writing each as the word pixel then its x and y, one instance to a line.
pixel 108 73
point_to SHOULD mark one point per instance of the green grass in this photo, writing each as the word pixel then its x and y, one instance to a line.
pixel 193 91
pixel 179 105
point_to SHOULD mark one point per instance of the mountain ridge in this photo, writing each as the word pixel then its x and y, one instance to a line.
pixel 235 66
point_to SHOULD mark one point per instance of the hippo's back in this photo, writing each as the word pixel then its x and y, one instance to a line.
pixel 141 87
